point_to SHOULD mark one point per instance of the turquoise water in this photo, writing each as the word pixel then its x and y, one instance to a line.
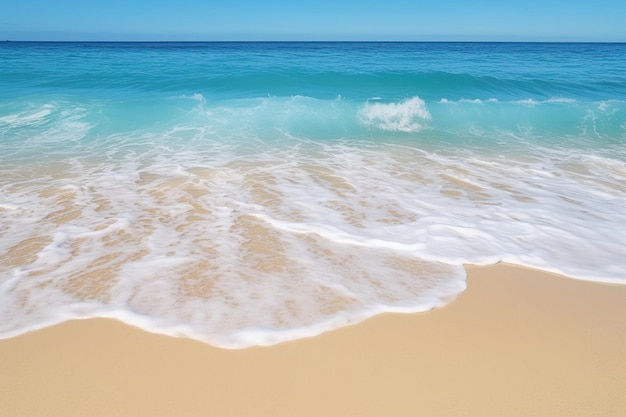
pixel 251 193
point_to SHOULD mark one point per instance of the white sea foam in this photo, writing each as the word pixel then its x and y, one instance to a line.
pixel 193 231
pixel 54 122
pixel 528 102
pixel 196 97
pixel 32 116
pixel 410 115
pixel 472 101
pixel 561 100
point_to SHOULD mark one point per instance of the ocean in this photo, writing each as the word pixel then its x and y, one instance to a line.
pixel 251 193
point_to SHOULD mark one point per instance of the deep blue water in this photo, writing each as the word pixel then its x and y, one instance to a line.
pixel 505 71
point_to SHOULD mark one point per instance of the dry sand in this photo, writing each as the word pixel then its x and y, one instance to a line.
pixel 517 343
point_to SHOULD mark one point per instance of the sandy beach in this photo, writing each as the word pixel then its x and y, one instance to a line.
pixel 518 342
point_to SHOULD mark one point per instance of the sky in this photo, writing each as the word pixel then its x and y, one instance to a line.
pixel 416 20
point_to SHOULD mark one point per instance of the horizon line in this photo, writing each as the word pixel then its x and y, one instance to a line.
pixel 300 41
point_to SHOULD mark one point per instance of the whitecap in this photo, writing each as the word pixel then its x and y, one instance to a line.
pixel 408 116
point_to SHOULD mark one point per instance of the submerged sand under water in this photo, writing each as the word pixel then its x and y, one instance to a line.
pixel 257 249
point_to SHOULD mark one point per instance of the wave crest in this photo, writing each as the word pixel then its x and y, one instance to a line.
pixel 408 116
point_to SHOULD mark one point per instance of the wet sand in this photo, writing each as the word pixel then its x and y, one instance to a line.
pixel 518 342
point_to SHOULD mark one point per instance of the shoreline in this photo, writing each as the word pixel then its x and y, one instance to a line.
pixel 517 342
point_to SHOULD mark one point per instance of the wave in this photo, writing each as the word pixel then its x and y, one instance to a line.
pixel 475 122
pixel 407 116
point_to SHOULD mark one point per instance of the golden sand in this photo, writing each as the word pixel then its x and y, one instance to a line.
pixel 517 343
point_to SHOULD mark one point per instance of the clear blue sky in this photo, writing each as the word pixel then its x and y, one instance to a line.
pixel 533 20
